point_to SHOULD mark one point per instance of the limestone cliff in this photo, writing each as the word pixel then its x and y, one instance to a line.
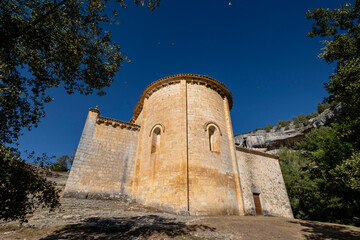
pixel 278 137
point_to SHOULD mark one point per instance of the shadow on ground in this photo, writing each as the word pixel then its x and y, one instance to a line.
pixel 318 231
pixel 127 228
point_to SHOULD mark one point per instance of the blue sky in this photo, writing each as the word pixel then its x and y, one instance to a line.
pixel 258 49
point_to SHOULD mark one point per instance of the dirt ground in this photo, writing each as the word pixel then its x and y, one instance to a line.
pixel 100 219
pixel 105 219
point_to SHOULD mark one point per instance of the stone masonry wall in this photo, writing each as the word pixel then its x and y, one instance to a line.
pixel 104 160
pixel 177 155
pixel 262 174
pixel 160 177
pixel 212 187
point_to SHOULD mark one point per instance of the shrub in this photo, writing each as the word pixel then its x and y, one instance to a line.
pixel 61 163
pixel 269 127
pixel 321 107
pixel 256 129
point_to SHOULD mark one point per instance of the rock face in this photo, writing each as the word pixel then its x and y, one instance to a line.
pixel 273 140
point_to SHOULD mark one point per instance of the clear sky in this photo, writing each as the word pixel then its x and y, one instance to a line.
pixel 258 49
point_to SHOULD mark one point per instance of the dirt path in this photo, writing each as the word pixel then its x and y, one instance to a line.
pixel 98 219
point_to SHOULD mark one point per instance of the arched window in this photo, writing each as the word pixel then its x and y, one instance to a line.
pixel 155 141
pixel 214 138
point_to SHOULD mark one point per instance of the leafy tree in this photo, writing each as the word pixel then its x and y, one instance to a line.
pixel 61 163
pixel 23 187
pixel 348 172
pixel 321 107
pixel 322 177
pixel 296 173
pixel 46 44
pixel 324 147
pixel 326 186
pixel 341 27
pixel 342 47
pixel 269 127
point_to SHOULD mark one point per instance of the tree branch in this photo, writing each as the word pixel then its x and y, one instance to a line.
pixel 34 23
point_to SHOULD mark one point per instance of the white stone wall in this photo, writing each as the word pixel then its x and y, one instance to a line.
pixel 262 174
pixel 104 161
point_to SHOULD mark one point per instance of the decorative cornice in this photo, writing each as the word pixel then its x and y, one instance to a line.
pixel 94 110
pixel 117 123
pixel 174 79
pixel 252 151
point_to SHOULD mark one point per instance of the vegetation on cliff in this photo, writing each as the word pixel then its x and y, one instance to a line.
pixel 297 122
pixel 322 172
pixel 322 176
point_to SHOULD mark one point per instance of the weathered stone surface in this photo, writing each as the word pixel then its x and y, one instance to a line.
pixel 177 154
pixel 103 162
pixel 276 139
pixel 261 174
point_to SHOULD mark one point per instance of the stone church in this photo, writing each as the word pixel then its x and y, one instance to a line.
pixel 177 154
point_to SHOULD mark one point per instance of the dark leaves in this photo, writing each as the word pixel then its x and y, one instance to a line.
pixel 23 187
pixel 46 44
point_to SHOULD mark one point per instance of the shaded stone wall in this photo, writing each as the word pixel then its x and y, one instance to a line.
pixel 260 173
pixel 104 160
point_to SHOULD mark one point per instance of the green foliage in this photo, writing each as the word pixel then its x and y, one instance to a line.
pixel 342 31
pixel 282 124
pixel 348 172
pixel 269 127
pixel 322 177
pixel 313 115
pixel 46 44
pixel 61 163
pixel 324 147
pixel 321 107
pixel 341 27
pixel 296 173
pixel 256 129
pixel 302 119
pixel 23 187
pixel 323 174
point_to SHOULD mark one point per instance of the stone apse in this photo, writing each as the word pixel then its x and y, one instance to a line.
pixel 177 154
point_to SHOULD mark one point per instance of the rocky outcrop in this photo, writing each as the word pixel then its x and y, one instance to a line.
pixel 276 138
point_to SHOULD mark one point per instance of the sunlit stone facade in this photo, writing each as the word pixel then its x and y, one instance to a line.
pixel 177 154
